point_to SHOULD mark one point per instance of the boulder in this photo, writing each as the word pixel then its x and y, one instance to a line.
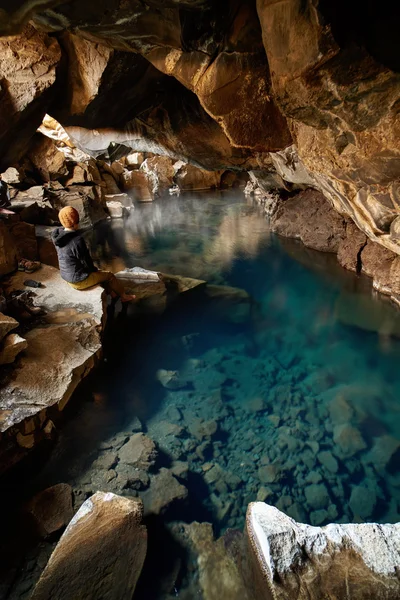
pixel 160 173
pixel 52 508
pixel 191 178
pixel 292 560
pixel 7 324
pixel 115 209
pixel 86 200
pixel 138 182
pixel 24 238
pixel 348 441
pixel 11 176
pixel 8 251
pixel 46 159
pixel 100 554
pixel 309 217
pixel 134 160
pixel 164 490
pixel 139 451
pixel 10 347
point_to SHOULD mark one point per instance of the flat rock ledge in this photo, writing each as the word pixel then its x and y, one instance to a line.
pixel 62 348
pixel 290 560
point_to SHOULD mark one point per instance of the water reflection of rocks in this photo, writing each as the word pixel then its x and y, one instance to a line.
pixel 191 236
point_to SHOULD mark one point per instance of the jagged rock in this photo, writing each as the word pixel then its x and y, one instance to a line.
pixel 8 251
pixel 293 560
pixel 308 216
pixel 160 173
pixel 349 250
pixel 86 200
pixel 164 490
pixel 28 65
pixel 138 182
pixel 218 561
pixel 110 183
pixel 348 440
pixel 190 178
pixel 11 176
pixel 100 554
pixel 10 347
pixel 7 324
pixel 52 508
pixel 139 451
pixel 46 159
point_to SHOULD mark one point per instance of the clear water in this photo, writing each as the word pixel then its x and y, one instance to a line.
pixel 300 399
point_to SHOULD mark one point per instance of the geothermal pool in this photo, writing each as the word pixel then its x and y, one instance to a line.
pixel 295 402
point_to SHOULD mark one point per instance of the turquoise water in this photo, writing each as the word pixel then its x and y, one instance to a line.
pixel 292 399
pixel 300 400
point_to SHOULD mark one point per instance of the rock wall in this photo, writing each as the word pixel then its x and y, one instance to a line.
pixel 299 93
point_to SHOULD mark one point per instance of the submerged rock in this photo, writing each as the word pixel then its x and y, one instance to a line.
pixel 52 508
pixel 100 554
pixel 164 490
pixel 139 451
pixel 292 560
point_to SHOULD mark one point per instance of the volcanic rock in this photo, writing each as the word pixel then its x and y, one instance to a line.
pixel 293 560
pixel 100 554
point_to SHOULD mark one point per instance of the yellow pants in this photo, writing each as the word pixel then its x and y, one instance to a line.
pixel 111 283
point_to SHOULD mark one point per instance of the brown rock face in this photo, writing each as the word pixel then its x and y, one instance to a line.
pixel 28 65
pixel 292 560
pixel 101 553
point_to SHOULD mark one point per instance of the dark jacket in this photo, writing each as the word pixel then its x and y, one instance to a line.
pixel 4 195
pixel 74 258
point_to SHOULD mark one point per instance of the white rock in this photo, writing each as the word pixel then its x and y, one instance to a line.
pixel 299 561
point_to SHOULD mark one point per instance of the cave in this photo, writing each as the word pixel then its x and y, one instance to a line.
pixel 199 300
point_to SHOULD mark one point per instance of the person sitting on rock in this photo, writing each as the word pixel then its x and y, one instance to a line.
pixel 76 264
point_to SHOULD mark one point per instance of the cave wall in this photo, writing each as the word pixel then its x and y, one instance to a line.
pixel 306 89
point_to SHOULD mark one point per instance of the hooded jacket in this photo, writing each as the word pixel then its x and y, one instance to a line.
pixel 74 258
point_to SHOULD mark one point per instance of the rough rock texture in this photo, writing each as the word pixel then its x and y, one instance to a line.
pixel 10 347
pixel 8 251
pixel 309 217
pixel 160 173
pixel 100 554
pixel 303 94
pixel 52 508
pixel 28 65
pixel 139 452
pixel 292 560
pixel 7 324
pixel 60 352
pixel 190 178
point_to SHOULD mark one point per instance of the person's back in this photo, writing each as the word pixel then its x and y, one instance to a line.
pixel 76 264
pixel 73 257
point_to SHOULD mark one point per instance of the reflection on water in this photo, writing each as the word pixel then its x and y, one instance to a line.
pixel 190 235
pixel 296 404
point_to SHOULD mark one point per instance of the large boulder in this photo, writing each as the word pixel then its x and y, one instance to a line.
pixel 47 161
pixel 100 554
pixel 28 64
pixel 309 216
pixel 292 560
pixel 160 173
pixel 191 178
pixel 51 508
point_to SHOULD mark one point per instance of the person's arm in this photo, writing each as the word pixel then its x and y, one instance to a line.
pixel 85 256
